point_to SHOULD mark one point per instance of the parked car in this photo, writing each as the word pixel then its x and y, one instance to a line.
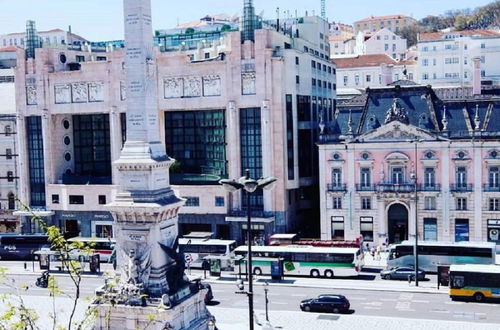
pixel 326 303
pixel 401 273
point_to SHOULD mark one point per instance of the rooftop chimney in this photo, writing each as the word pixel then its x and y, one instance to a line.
pixel 386 71
pixel 476 76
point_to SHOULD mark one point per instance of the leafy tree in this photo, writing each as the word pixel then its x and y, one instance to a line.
pixel 410 33
pixel 189 31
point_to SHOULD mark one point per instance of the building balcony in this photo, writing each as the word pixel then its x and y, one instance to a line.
pixel 257 216
pixel 429 187
pixel 402 187
pixel 336 187
pixel 461 187
pixel 362 187
pixel 491 188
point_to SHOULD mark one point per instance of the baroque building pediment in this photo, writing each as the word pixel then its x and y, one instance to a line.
pixel 398 131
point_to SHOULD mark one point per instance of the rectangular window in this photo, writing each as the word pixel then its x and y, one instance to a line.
pixel 296 60
pixel 92 146
pixel 386 46
pixel 494 177
pixel 313 82
pixel 192 201
pixel 461 177
pixel 356 79
pixel 101 59
pixel 397 174
pixel 289 137
pixel 80 58
pixel 366 203
pixel 494 204
pixel 425 62
pixel 55 199
pixel 297 79
pixel 76 199
pixel 429 177
pixel 313 64
pixel 303 108
pixel 251 152
pixel 207 55
pixel 483 45
pixel 365 177
pixel 366 228
pixel 197 141
pixel 368 78
pixel 336 203
pixel 461 203
pixel 461 230
pixel 35 161
pixel 430 203
pixel 346 79
pixel 8 153
pixel 10 176
pixel 336 177
pixel 102 199
pixel 337 228
pixel 430 229
pixel 219 201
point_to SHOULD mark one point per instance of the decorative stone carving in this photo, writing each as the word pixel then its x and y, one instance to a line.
pixel 31 95
pixel 248 83
pixel 79 92
pixel 173 87
pixel 96 91
pixel 123 91
pixel 192 87
pixel 396 112
pixel 62 93
pixel 211 86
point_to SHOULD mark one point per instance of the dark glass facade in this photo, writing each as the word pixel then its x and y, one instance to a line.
pixel 197 141
pixel 35 161
pixel 289 137
pixel 251 152
pixel 92 146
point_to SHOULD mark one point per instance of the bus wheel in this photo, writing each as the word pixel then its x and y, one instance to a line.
pixel 478 297
pixel 328 273
pixel 314 273
pixel 257 271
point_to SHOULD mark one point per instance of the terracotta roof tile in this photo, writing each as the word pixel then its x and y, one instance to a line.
pixel 377 18
pixel 440 35
pixel 8 49
pixel 363 61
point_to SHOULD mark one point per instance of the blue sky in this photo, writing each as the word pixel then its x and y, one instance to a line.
pixel 102 19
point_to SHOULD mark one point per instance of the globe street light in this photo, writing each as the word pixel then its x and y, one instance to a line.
pixel 250 186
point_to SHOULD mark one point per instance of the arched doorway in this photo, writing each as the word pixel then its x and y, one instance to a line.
pixel 397 217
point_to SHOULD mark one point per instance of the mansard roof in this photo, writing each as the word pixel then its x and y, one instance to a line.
pixel 451 113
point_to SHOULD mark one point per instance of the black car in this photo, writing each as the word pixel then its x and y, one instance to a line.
pixel 326 303
pixel 401 273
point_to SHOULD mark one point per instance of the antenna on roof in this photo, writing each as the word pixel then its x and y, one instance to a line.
pixel 323 9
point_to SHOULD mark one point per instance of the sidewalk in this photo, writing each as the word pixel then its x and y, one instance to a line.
pixel 33 268
pixel 237 319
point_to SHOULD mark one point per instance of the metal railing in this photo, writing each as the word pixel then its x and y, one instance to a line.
pixel 429 187
pixel 336 187
pixel 364 187
pixel 489 187
pixel 461 187
pixel 400 187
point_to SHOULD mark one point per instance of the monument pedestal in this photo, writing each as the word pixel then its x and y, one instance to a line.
pixel 191 314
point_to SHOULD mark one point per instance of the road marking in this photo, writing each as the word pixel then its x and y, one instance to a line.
pixel 421 301
pixel 454 303
pixel 299 295
pixel 358 298
pixel 372 307
pixel 373 303
pixel 444 311
pixel 406 296
pixel 388 299
pixel 278 303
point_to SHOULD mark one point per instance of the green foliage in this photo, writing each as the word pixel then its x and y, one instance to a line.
pixel 189 31
pixel 176 167
pixel 226 27
pixel 410 33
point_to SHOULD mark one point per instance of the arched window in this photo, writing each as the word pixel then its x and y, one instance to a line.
pixel 12 201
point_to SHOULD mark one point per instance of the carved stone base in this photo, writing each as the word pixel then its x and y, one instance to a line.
pixel 190 314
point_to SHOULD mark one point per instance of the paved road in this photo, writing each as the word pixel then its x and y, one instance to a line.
pixel 370 303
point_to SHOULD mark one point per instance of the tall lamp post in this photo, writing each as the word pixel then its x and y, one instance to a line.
pixel 250 186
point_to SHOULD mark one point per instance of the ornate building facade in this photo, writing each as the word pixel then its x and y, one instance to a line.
pixel 400 154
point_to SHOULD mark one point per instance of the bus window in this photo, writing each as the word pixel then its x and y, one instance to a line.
pixel 344 258
pixel 457 282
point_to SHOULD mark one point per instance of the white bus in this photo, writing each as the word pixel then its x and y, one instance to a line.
pixel 102 246
pixel 304 260
pixel 196 250
pixel 433 254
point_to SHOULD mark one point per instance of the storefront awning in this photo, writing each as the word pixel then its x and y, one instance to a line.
pixel 253 219
pixel 31 213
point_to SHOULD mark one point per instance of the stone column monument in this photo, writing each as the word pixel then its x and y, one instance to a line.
pixel 153 290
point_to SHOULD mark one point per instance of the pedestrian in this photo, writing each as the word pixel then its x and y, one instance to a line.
pixel 372 252
pixel 378 252
pixel 367 247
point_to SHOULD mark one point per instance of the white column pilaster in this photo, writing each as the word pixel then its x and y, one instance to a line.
pixel 325 229
pixel 411 219
pixel 444 233
pixel 116 139
pixel 478 193
pixel 233 149
pixel 382 223
pixel 351 194
pixel 267 143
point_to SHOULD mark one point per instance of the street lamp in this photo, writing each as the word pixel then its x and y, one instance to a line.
pixel 416 215
pixel 266 289
pixel 249 185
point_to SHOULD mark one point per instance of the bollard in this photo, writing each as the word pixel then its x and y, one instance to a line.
pixel 409 279
pixel 25 266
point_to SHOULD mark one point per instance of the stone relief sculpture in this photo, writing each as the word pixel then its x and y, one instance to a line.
pixel 123 91
pixel 62 93
pixel 248 83
pixel 192 87
pixel 31 95
pixel 79 92
pixel 211 86
pixel 396 112
pixel 96 91
pixel 173 87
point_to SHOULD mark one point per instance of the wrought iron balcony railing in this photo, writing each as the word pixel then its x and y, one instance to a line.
pixel 336 187
pixel 400 187
pixel 461 187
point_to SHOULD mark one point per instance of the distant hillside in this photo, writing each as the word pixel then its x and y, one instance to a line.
pixel 486 17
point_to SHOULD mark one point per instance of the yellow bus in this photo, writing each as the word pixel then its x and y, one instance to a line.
pixel 476 282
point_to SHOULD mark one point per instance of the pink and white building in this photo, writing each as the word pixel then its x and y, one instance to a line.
pixel 400 154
